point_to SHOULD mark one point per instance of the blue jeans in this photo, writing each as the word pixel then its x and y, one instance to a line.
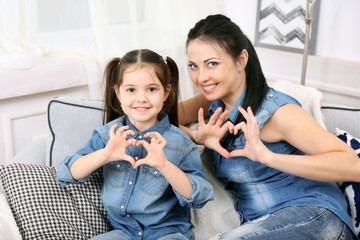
pixel 120 235
pixel 292 223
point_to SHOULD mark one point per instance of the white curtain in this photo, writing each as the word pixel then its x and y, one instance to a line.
pixel 160 25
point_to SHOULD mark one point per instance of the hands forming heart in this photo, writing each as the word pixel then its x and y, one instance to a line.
pixel 115 149
pixel 211 133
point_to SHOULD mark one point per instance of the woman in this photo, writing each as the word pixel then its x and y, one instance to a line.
pixel 271 154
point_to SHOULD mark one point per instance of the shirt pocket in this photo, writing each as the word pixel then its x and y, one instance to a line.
pixel 153 182
pixel 116 173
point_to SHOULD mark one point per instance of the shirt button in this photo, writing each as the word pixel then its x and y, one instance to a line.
pixel 136 158
pixel 140 233
pixel 140 136
pixel 127 215
pixel 122 207
pixel 130 182
pixel 271 95
pixel 155 172
pixel 118 165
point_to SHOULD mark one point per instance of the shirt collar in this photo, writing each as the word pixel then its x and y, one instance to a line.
pixel 160 127
pixel 233 113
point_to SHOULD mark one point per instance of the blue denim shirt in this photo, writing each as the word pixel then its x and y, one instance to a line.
pixel 141 201
pixel 260 190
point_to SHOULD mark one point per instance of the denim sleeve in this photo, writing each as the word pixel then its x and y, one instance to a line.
pixel 202 189
pixel 63 174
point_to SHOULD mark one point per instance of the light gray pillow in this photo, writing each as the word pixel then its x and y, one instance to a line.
pixel 71 122
pixel 346 118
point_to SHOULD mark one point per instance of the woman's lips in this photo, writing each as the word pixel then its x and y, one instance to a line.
pixel 209 88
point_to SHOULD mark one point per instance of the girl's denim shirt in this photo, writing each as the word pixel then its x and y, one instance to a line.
pixel 259 189
pixel 141 201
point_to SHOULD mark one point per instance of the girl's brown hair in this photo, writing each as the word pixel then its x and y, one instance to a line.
pixel 166 70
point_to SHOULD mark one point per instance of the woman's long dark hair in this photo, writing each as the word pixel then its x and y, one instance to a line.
pixel 165 69
pixel 220 30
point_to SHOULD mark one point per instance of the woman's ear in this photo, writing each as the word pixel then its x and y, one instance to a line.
pixel 242 60
pixel 167 92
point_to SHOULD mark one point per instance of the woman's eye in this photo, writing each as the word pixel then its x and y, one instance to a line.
pixel 130 90
pixel 192 66
pixel 212 64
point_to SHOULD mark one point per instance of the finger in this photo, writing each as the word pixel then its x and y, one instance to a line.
pixel 201 117
pixel 222 151
pixel 130 159
pixel 213 119
pixel 222 118
pixel 121 129
pixel 236 153
pixel 153 135
pixel 243 112
pixel 140 162
pixel 142 142
pixel 132 142
pixel 238 127
pixel 112 130
pixel 125 134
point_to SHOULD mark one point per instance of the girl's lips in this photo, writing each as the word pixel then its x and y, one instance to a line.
pixel 141 109
pixel 209 88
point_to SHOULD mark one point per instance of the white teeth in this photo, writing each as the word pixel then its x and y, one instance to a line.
pixel 207 88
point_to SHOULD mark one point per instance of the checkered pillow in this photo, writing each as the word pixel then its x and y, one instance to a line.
pixel 44 210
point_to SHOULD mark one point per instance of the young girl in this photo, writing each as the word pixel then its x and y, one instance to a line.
pixel 152 171
pixel 271 154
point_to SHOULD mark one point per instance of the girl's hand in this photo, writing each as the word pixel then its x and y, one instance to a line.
pixel 254 148
pixel 156 157
pixel 115 149
pixel 210 134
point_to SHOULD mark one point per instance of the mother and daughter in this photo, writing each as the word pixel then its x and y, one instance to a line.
pixel 275 159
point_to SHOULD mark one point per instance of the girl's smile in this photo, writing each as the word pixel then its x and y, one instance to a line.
pixel 141 96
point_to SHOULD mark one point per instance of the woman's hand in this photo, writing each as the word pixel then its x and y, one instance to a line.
pixel 115 149
pixel 156 157
pixel 211 133
pixel 254 148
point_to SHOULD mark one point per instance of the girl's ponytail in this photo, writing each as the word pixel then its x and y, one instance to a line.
pixel 112 104
pixel 171 103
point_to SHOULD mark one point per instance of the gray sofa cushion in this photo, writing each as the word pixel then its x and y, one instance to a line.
pixel 344 118
pixel 66 115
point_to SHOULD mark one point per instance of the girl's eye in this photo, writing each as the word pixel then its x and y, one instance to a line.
pixel 152 89
pixel 192 66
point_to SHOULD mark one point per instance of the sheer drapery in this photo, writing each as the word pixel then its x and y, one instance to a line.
pixel 97 31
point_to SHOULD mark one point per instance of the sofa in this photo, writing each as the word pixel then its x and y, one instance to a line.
pixel 34 206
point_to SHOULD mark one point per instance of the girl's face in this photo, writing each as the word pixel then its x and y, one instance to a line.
pixel 215 73
pixel 141 96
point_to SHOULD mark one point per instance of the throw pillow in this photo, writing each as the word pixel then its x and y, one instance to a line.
pixel 44 210
pixel 351 190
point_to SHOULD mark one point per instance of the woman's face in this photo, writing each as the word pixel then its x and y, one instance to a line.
pixel 215 73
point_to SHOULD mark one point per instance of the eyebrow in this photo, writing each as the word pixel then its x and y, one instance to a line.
pixel 207 60
pixel 134 85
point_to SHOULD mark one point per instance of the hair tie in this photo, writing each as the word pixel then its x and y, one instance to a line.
pixel 120 59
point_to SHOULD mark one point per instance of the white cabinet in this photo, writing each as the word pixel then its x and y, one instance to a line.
pixel 24 95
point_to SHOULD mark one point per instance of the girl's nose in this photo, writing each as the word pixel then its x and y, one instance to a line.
pixel 141 97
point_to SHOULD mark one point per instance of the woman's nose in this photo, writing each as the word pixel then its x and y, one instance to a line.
pixel 203 76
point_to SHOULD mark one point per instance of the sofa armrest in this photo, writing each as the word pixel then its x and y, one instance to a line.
pixel 35 153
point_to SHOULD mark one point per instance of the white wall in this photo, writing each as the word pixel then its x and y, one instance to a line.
pixel 335 67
